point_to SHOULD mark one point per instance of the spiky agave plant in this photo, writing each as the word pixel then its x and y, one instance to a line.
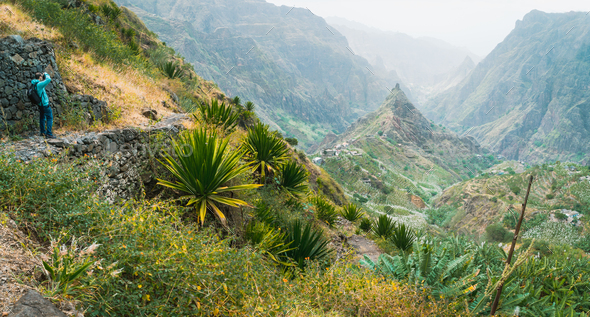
pixel 383 226
pixel 171 69
pixel 403 238
pixel 264 150
pixel 324 209
pixel 250 106
pixel 351 212
pixel 306 243
pixel 202 167
pixel 218 115
pixel 292 177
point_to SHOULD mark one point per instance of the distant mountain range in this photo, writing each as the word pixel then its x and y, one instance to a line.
pixel 300 72
pixel 529 99
pixel 427 65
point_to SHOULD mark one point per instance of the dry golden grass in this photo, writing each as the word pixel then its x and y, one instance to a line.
pixel 124 88
pixel 14 21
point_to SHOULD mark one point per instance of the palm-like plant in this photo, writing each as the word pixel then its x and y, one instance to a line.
pixel 237 101
pixel 306 243
pixel 292 177
pixel 324 210
pixel 351 212
pixel 383 226
pixel 202 167
pixel 171 69
pixel 403 238
pixel 264 150
pixel 250 106
pixel 219 115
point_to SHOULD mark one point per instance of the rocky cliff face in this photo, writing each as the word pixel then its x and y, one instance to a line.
pixel 298 70
pixel 529 99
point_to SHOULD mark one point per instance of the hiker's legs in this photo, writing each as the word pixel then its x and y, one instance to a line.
pixel 48 113
pixel 42 120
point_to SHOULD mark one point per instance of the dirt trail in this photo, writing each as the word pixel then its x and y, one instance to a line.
pixel 16 263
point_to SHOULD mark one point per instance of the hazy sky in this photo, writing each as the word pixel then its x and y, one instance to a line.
pixel 478 25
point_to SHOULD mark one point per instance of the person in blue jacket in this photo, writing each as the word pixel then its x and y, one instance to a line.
pixel 45 112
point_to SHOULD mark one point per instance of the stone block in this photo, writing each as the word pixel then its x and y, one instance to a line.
pixel 32 304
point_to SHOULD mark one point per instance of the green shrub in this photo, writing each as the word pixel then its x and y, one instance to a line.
pixel 365 224
pixel 441 216
pixel 306 244
pixel 494 199
pixel 171 69
pixel 292 141
pixel 45 196
pixel 403 238
pixel 550 196
pixel 560 216
pixel 324 210
pixel 292 178
pixel 497 233
pixel 383 227
pixel 77 26
pixel 352 212
pixel 264 150
pixel 218 115
pixel 110 10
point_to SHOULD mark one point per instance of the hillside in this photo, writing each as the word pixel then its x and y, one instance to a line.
pixel 161 196
pixel 394 154
pixel 528 99
pixel 426 65
pixel 288 61
pixel 496 197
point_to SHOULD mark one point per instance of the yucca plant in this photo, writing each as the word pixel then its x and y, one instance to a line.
pixel 268 241
pixel 237 101
pixel 264 150
pixel 203 166
pixel 264 213
pixel 403 238
pixel 383 226
pixel 306 244
pixel 219 115
pixel 292 177
pixel 110 10
pixel 365 224
pixel 324 210
pixel 250 106
pixel 351 212
pixel 171 69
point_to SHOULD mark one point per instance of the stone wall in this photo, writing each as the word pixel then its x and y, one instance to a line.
pixel 126 157
pixel 19 61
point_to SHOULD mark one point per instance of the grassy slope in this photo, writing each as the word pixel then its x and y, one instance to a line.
pixel 476 208
pixel 127 89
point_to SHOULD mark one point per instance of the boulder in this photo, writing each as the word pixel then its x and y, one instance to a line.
pixel 32 304
pixel 16 39
pixel 150 114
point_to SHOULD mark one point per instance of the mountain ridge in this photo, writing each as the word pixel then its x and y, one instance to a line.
pixel 302 74
pixel 529 98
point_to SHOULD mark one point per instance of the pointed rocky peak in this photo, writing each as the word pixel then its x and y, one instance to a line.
pixel 398 103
